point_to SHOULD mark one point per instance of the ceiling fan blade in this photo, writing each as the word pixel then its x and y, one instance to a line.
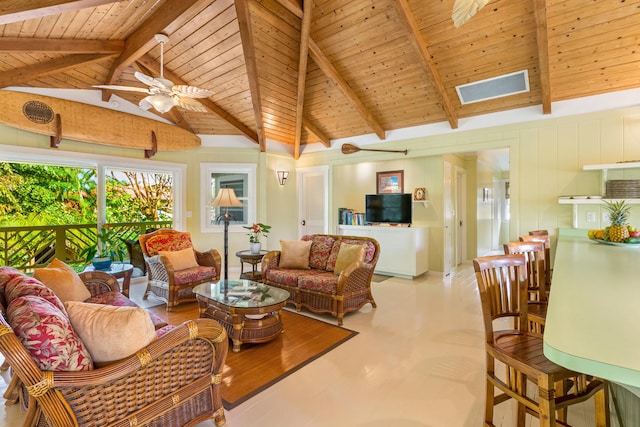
pixel 189 104
pixel 144 78
pixel 129 88
pixel 191 91
pixel 465 9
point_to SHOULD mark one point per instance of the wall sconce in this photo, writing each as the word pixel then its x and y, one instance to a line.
pixel 282 177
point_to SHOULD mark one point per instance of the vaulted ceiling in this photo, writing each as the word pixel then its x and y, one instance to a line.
pixel 312 71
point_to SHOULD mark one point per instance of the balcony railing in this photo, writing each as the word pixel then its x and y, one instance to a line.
pixel 26 248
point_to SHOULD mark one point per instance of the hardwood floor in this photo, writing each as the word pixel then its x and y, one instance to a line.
pixel 418 361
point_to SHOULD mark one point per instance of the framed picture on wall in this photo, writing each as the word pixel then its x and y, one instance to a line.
pixel 390 182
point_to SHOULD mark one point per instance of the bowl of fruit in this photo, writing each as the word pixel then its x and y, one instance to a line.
pixel 619 233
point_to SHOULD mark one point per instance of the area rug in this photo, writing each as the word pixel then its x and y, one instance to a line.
pixel 136 294
pixel 258 366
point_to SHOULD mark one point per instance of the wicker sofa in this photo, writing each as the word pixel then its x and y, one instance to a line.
pixel 172 381
pixel 317 287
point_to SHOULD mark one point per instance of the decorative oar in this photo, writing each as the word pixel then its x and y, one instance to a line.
pixel 350 149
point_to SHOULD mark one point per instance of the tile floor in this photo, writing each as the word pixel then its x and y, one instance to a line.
pixel 417 362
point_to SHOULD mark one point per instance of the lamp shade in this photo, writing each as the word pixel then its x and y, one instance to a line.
pixel 226 198
pixel 160 102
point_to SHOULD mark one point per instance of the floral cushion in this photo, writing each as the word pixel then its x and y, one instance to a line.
pixel 190 275
pixel 325 282
pixel 46 333
pixel 7 273
pixel 25 285
pixel 333 256
pixel 288 277
pixel 168 242
pixel 320 251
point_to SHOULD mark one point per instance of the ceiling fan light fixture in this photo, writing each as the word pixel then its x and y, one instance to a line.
pixel 161 103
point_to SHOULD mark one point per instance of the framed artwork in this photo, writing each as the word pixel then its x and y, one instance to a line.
pixel 390 182
pixel 419 194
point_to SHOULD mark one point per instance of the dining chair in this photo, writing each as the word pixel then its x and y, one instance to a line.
pixel 539 233
pixel 547 252
pixel 537 294
pixel 502 284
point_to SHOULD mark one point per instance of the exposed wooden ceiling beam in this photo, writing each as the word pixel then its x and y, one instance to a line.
pixel 542 39
pixel 419 44
pixel 312 128
pixel 154 66
pixel 21 10
pixel 22 44
pixel 302 73
pixel 166 19
pixel 31 72
pixel 246 35
pixel 330 71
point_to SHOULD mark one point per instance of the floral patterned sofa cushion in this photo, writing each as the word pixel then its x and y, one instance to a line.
pixel 287 276
pixel 320 251
pixel 168 242
pixel 194 274
pixel 324 281
pixel 47 334
pixel 23 285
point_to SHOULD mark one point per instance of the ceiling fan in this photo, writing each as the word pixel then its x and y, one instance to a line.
pixel 163 94
pixel 463 10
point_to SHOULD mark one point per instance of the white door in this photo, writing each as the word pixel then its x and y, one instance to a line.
pixel 461 215
pixel 449 218
pixel 313 195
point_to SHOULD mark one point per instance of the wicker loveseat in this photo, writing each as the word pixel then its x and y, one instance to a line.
pixel 317 287
pixel 172 381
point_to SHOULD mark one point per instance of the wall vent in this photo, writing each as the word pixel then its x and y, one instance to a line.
pixel 495 87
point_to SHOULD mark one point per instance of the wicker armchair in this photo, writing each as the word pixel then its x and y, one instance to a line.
pixel 174 381
pixel 168 283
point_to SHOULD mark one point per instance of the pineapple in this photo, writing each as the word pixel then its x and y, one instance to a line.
pixel 618 215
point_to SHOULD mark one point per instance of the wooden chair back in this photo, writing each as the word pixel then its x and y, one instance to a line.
pixel 534 253
pixel 502 283
pixel 539 233
pixel 547 252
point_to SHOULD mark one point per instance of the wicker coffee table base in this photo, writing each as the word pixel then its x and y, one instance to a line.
pixel 240 328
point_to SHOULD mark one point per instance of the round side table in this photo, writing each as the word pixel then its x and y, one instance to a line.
pixel 252 259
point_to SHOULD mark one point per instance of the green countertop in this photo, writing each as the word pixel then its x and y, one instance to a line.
pixel 594 309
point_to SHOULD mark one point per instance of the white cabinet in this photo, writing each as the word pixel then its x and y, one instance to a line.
pixel 597 199
pixel 403 250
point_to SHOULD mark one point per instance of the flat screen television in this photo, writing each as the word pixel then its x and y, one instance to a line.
pixel 393 208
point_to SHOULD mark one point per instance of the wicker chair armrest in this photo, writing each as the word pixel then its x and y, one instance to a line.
pixel 270 260
pixel 155 268
pixel 99 282
pixel 355 276
pixel 210 258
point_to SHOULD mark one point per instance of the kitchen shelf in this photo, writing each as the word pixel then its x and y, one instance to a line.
pixel 598 200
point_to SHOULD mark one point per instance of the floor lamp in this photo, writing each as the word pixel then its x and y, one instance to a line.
pixel 226 199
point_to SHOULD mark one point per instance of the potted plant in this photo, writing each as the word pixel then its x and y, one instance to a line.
pixel 255 231
pixel 107 248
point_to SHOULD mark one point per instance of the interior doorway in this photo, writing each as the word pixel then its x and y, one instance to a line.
pixel 313 209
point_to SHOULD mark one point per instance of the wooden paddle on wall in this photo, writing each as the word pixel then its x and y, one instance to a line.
pixel 350 149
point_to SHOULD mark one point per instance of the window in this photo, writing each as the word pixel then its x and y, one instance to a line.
pixel 239 176
pixel 104 168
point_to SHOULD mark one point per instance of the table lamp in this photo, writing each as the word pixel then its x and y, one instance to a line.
pixel 226 198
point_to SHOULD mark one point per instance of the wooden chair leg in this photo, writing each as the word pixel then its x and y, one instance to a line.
pixel 546 401
pixel 601 400
pixel 522 391
pixel 489 393
pixel 12 393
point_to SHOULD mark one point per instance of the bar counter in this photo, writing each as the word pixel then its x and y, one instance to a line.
pixel 593 318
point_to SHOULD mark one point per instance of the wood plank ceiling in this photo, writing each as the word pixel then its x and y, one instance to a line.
pixel 312 71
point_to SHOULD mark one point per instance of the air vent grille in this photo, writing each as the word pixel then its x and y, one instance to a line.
pixel 495 87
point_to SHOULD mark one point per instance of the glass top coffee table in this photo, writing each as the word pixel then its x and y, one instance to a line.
pixel 249 311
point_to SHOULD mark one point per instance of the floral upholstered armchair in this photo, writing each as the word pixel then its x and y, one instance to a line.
pixel 174 267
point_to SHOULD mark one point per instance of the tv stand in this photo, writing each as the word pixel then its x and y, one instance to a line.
pixel 403 249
